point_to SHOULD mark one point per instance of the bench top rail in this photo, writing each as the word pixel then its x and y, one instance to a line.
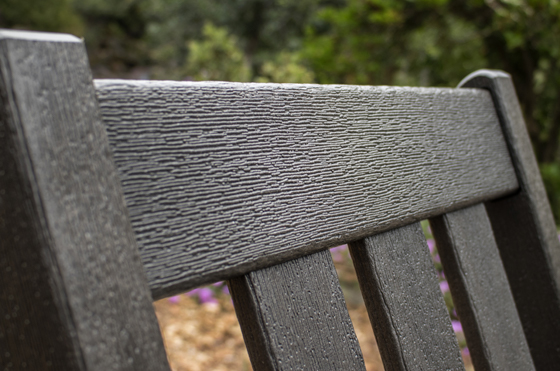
pixel 224 178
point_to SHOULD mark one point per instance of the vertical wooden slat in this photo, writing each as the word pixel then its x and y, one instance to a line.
pixel 524 229
pixel 73 294
pixel 406 308
pixel 294 317
pixel 480 290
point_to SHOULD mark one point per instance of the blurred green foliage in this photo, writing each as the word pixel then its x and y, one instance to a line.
pixel 397 42
pixel 216 57
pixel 40 15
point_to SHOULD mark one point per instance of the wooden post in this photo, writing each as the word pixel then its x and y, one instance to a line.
pixel 405 306
pixel 524 229
pixel 73 294
pixel 480 290
pixel 294 317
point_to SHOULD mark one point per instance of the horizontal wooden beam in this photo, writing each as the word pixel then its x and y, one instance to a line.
pixel 223 178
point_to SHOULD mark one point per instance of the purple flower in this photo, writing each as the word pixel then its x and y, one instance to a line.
pixel 225 290
pixel 457 327
pixel 192 292
pixel 437 259
pixel 431 245
pixel 206 295
pixel 174 299
pixel 337 253
pixel 466 351
pixel 444 286
pixel 339 248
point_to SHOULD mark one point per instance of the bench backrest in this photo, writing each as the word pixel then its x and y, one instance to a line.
pixel 116 193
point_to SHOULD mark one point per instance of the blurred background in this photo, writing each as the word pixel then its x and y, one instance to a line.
pixel 374 42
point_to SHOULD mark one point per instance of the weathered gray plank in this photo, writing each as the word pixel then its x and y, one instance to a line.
pixel 222 178
pixel 405 305
pixel 294 317
pixel 73 292
pixel 480 290
pixel 524 229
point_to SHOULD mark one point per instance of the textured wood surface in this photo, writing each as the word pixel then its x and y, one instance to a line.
pixel 524 230
pixel 73 293
pixel 480 290
pixel 294 317
pixel 222 178
pixel 405 305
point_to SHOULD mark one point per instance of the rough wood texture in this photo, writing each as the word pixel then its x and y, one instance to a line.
pixel 222 178
pixel 405 305
pixel 294 317
pixel 524 229
pixel 73 292
pixel 480 290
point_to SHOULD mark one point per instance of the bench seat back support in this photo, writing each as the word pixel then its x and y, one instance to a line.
pixel 115 193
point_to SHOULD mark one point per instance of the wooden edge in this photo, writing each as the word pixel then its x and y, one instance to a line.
pixel 83 260
pixel 524 228
pixel 251 323
pixel 293 316
pixel 480 290
pixel 404 303
pixel 38 36
pixel 160 291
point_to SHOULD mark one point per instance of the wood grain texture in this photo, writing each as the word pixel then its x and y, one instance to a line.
pixel 223 178
pixel 294 317
pixel 74 295
pixel 405 305
pixel 524 229
pixel 480 290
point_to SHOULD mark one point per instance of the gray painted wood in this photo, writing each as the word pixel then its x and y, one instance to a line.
pixel 294 317
pixel 405 305
pixel 73 292
pixel 524 229
pixel 223 178
pixel 480 290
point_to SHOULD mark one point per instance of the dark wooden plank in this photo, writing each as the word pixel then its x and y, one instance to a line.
pixel 74 295
pixel 480 290
pixel 405 305
pixel 222 178
pixel 294 317
pixel 524 229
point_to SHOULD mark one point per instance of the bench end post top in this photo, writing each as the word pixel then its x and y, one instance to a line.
pixel 483 73
pixel 38 36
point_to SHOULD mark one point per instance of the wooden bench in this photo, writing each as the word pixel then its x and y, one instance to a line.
pixel 116 193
